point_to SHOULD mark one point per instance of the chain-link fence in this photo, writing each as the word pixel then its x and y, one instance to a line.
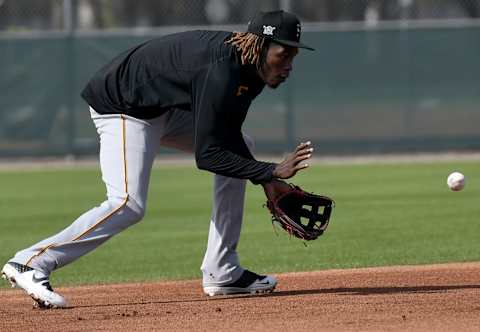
pixel 21 15
pixel 364 89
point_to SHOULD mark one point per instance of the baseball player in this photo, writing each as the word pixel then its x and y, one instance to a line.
pixel 189 91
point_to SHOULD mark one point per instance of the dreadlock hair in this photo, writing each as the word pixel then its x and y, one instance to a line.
pixel 252 48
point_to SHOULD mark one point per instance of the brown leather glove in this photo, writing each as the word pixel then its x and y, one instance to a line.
pixel 302 214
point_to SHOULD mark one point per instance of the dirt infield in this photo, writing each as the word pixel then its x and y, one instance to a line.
pixel 411 298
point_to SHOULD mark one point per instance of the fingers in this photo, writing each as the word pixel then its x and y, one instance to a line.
pixel 302 157
pixel 303 151
pixel 298 168
pixel 301 166
pixel 303 145
pixel 299 162
pixel 295 161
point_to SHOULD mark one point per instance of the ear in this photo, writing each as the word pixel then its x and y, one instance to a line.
pixel 263 55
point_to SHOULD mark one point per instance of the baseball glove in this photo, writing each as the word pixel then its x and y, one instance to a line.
pixel 302 214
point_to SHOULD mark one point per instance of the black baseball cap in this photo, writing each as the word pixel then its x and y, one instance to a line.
pixel 281 27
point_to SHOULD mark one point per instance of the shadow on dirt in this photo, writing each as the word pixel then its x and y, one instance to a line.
pixel 376 290
pixel 339 291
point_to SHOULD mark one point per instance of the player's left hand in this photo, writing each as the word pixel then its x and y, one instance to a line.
pixel 302 214
pixel 275 188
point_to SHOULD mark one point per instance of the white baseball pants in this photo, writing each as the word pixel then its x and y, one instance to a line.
pixel 128 147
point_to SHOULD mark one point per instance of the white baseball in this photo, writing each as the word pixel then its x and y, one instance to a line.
pixel 456 181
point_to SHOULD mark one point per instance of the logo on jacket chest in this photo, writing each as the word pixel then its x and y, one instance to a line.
pixel 241 89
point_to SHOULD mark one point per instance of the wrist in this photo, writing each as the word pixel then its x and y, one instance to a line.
pixel 274 171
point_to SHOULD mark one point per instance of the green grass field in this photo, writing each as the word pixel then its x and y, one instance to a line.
pixel 385 214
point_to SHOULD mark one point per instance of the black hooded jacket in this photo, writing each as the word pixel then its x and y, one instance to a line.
pixel 194 71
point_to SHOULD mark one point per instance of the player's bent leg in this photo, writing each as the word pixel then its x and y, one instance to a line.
pixel 221 264
pixel 127 149
pixel 222 273
pixel 55 252
pixel 85 234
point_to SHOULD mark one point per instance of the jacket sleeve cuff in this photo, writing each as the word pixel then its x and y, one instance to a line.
pixel 267 176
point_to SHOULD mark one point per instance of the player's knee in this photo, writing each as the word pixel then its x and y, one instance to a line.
pixel 250 142
pixel 135 211
pixel 127 209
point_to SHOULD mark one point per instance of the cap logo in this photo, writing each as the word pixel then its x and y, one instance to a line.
pixel 299 29
pixel 268 30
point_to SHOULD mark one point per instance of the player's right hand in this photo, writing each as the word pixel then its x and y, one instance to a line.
pixel 294 162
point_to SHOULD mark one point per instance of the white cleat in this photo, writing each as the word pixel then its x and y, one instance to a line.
pixel 12 283
pixel 248 283
pixel 35 284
